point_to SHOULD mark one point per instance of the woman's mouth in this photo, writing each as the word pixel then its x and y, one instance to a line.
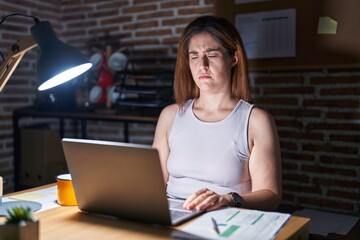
pixel 204 76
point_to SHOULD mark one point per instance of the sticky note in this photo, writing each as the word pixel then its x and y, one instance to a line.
pixel 327 25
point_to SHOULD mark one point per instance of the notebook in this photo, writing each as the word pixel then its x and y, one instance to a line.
pixel 123 180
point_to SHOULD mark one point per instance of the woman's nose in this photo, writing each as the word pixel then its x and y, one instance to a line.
pixel 204 62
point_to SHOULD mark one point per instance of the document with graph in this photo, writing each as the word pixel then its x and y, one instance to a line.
pixel 235 223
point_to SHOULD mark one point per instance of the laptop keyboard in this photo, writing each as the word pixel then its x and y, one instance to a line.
pixel 176 214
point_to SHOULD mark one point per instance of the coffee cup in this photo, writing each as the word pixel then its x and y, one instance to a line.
pixel 65 190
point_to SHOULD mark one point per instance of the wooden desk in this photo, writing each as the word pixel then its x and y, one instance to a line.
pixel 82 117
pixel 69 223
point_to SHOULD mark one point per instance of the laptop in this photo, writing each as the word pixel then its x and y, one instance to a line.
pixel 123 180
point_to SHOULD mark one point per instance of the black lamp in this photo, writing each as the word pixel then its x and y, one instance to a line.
pixel 57 62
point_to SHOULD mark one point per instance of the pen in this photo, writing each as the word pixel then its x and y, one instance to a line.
pixel 215 225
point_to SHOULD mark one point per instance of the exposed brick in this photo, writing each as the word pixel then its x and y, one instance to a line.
pixel 159 32
pixel 112 4
pixel 104 30
pixel 295 80
pixel 11 8
pixel 139 9
pixel 348 161
pixel 140 25
pixel 74 17
pixel 78 8
pixel 301 188
pixel 288 167
pixel 335 80
pixel 329 170
pixel 297 111
pixel 288 145
pixel 288 197
pixel 155 15
pixel 187 11
pixel 346 195
pixel 138 2
pixel 296 156
pixel 350 91
pixel 171 40
pixel 326 147
pixel 341 126
pixel 331 182
pixel 326 203
pixel 176 4
pixel 293 123
pixel 331 103
pixel 301 135
pixel 99 14
pixel 177 21
pixel 301 178
pixel 355 138
pixel 277 101
pixel 343 115
pixel 81 24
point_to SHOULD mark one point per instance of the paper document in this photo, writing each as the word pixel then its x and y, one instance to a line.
pixel 47 197
pixel 270 34
pixel 235 223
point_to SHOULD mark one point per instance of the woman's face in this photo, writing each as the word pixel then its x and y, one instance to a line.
pixel 210 64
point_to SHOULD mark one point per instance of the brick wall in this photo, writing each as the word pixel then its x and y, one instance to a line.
pixel 317 112
pixel 318 120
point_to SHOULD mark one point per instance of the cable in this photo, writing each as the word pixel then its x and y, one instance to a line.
pixel 36 20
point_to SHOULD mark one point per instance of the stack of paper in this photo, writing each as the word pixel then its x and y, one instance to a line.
pixel 235 223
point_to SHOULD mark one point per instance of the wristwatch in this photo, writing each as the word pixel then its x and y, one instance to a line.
pixel 238 200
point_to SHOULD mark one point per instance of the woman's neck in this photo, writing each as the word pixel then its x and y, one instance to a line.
pixel 211 109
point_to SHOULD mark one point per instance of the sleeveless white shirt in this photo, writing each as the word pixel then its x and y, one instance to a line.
pixel 213 155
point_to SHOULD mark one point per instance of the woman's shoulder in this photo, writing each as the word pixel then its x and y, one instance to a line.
pixel 261 122
pixel 170 110
pixel 168 114
pixel 260 116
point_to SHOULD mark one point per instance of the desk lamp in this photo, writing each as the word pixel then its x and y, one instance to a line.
pixel 57 62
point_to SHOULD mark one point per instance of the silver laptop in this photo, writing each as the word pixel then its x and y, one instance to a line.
pixel 122 180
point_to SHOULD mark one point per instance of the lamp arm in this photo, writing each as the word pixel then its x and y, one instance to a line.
pixel 16 53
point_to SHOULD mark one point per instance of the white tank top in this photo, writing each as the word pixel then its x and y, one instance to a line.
pixel 213 155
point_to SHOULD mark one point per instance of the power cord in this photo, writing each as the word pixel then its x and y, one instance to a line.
pixel 36 20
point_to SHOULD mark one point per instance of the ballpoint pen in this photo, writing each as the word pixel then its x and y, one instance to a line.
pixel 215 225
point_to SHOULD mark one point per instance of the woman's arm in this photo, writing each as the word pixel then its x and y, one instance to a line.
pixel 265 162
pixel 162 131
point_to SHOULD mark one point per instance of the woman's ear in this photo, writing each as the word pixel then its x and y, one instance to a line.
pixel 234 61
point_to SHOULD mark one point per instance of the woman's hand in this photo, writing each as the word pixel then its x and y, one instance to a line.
pixel 207 199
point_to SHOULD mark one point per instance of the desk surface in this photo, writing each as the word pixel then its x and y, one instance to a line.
pixel 69 223
pixel 95 115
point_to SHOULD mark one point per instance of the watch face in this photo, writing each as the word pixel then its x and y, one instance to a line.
pixel 237 199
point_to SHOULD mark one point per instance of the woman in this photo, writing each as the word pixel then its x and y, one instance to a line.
pixel 217 149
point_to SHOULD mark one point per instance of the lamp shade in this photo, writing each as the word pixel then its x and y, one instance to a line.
pixel 57 62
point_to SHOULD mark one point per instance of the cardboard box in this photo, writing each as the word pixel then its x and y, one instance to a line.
pixel 42 157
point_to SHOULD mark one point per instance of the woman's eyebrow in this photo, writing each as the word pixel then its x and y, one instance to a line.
pixel 207 50
pixel 193 52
